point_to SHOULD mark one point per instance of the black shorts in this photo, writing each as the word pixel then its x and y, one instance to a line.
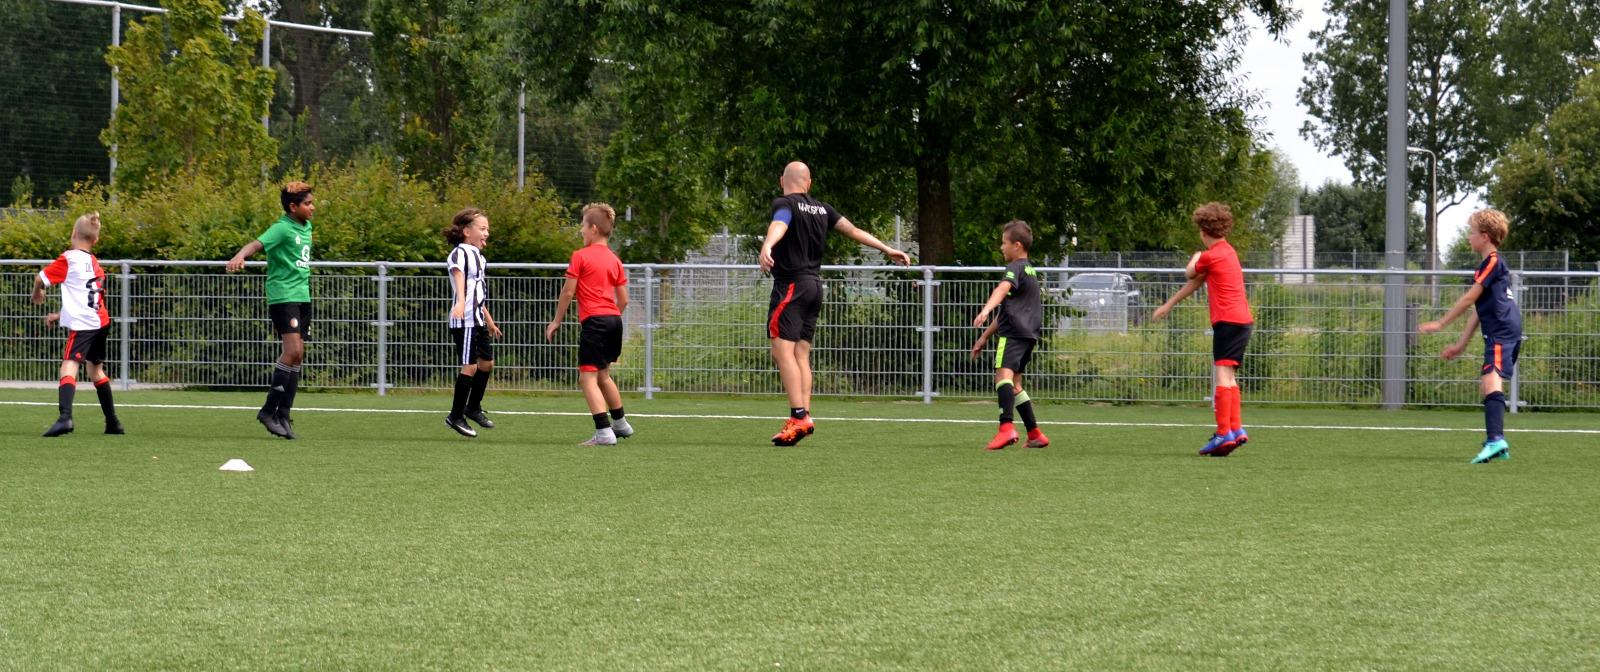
pixel 792 312
pixel 1228 342
pixel 1498 357
pixel 1014 353
pixel 291 318
pixel 600 342
pixel 473 344
pixel 88 345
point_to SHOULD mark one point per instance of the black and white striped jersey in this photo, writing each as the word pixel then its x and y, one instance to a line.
pixel 469 260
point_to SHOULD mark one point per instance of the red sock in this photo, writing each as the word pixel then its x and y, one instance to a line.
pixel 1223 408
pixel 1234 412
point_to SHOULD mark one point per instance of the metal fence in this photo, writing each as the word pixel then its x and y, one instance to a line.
pixel 885 332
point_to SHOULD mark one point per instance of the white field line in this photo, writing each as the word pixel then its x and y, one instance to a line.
pixel 201 407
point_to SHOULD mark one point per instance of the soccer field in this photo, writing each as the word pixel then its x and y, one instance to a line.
pixel 383 541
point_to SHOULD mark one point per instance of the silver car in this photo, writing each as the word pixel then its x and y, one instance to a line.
pixel 1101 302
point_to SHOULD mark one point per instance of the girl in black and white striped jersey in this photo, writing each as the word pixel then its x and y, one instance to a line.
pixel 471 326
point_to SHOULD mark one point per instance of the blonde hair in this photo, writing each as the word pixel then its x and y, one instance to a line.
pixel 87 227
pixel 1215 219
pixel 601 217
pixel 1491 223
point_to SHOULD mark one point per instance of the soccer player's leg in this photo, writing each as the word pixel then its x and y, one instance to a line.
pixel 608 387
pixel 483 358
pixel 802 360
pixel 283 323
pixel 1497 363
pixel 591 363
pixel 1005 392
pixel 789 372
pixel 102 382
pixel 77 348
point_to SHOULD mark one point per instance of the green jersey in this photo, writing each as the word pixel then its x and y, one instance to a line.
pixel 288 247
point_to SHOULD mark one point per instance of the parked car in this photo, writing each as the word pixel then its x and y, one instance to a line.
pixel 1104 302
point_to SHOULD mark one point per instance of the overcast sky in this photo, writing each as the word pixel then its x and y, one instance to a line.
pixel 1274 68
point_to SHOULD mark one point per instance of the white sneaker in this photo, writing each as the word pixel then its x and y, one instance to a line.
pixel 621 428
pixel 602 437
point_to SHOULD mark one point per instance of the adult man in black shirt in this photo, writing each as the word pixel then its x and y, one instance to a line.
pixel 792 251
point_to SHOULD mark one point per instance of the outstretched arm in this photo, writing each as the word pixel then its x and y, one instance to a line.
pixel 1462 304
pixel 1455 349
pixel 1190 287
pixel 249 250
pixel 995 297
pixel 983 339
pixel 865 238
pixel 775 232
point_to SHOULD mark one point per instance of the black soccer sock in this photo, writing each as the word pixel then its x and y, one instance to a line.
pixel 69 387
pixel 458 406
pixel 1494 418
pixel 291 386
pixel 480 382
pixel 799 413
pixel 1008 400
pixel 602 421
pixel 103 390
pixel 617 414
pixel 1025 409
pixel 277 388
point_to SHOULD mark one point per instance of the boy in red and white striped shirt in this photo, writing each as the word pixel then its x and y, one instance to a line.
pixel 83 312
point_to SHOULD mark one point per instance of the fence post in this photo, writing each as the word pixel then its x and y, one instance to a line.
pixel 927 329
pixel 383 327
pixel 126 360
pixel 649 331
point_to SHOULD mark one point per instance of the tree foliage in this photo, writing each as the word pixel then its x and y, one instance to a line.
pixel 1097 121
pixel 1548 183
pixel 1480 73
pixel 1351 218
pixel 52 75
pixel 194 97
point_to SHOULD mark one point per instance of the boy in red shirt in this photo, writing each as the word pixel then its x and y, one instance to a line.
pixel 83 311
pixel 597 279
pixel 1231 323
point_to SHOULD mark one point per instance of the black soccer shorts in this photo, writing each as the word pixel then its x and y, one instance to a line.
pixel 291 318
pixel 88 345
pixel 1498 357
pixel 600 342
pixel 794 307
pixel 473 344
pixel 1228 341
pixel 1014 353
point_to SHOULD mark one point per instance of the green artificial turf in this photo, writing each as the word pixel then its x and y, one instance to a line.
pixel 383 541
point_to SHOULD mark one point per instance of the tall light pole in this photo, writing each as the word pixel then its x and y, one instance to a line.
pixel 1395 207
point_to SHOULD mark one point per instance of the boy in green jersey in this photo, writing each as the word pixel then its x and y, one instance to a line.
pixel 288 246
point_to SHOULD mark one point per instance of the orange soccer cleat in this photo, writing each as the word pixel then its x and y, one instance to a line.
pixel 1037 439
pixel 793 431
pixel 1005 437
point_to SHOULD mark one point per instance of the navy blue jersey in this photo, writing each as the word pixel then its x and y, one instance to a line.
pixel 1498 314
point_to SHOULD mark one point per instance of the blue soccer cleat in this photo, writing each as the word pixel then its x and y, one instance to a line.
pixel 1220 445
pixel 1240 437
pixel 1497 449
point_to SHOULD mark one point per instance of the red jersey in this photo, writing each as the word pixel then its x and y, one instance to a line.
pixel 1225 284
pixel 83 290
pixel 598 272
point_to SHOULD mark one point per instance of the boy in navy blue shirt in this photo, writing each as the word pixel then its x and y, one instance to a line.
pixel 1497 313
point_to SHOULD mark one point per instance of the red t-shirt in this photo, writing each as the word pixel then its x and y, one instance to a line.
pixel 1225 284
pixel 598 272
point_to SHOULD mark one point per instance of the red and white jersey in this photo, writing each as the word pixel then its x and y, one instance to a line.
pixel 83 290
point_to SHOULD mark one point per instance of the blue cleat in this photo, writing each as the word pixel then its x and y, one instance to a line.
pixel 1497 449
pixel 1240 436
pixel 1220 445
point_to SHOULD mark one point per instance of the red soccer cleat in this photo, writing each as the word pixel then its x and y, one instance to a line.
pixel 1005 437
pixel 793 431
pixel 1037 439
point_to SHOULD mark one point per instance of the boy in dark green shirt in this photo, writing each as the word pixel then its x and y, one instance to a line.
pixel 288 246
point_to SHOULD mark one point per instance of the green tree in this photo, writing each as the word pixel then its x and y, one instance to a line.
pixel 433 60
pixel 193 97
pixel 1548 183
pixel 327 106
pixel 1350 218
pixel 54 96
pixel 1479 74
pixel 1098 118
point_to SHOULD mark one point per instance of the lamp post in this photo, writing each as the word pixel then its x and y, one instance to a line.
pixel 1433 217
